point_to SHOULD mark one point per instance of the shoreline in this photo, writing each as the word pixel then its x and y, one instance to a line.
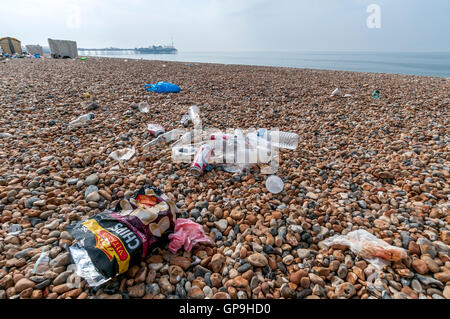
pixel 277 65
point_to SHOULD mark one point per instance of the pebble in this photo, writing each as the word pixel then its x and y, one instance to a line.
pixel 257 260
pixel 91 179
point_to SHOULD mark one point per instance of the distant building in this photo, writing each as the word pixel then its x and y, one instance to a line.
pixel 34 49
pixel 63 49
pixel 10 45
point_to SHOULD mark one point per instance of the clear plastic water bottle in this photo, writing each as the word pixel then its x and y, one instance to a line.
pixel 287 140
pixel 83 119
pixel 194 114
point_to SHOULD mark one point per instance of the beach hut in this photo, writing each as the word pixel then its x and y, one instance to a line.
pixel 35 49
pixel 63 49
pixel 10 45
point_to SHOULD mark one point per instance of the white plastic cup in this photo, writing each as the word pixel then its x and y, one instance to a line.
pixel 274 184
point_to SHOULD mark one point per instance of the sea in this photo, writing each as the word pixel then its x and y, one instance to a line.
pixel 411 63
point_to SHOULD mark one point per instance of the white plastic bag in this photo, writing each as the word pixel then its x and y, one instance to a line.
pixel 365 245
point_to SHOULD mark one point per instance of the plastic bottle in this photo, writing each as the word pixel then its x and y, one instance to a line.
pixel 185 139
pixel 185 120
pixel 165 138
pixel 194 114
pixel 83 119
pixel 287 140
pixel 184 154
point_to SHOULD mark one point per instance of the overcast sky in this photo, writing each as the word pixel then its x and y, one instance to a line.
pixel 232 25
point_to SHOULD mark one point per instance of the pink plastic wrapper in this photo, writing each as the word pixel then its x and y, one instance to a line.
pixel 187 233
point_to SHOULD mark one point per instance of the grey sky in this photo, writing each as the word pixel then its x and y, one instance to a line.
pixel 232 25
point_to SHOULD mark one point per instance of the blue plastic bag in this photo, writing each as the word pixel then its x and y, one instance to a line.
pixel 163 87
pixel 37 56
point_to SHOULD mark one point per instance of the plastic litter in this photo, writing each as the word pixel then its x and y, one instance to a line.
pixel 347 95
pixel 42 264
pixel 185 120
pixel 165 138
pixel 201 160
pixel 235 152
pixel 279 139
pixel 162 87
pixel 86 95
pixel 144 107
pixel 83 58
pixel 367 246
pixel 194 115
pixel 123 154
pixel 83 119
pixel 155 129
pixel 109 243
pixel 183 154
pixel 336 92
pixel 274 184
pixel 5 135
pixel 188 234
pixel 376 94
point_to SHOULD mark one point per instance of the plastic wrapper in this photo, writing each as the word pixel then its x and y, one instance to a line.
pixel 188 234
pixel 162 87
pixel 114 240
pixel 123 154
pixel 367 246
pixel 42 264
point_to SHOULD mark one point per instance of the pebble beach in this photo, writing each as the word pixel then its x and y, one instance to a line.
pixel 381 165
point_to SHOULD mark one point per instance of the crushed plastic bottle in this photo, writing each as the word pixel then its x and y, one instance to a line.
pixel 165 138
pixel 42 264
pixel 83 119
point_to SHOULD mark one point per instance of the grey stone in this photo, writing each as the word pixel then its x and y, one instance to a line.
pixel 61 260
pixel 91 179
pixel 90 189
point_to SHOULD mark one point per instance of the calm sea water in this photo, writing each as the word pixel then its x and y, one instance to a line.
pixel 426 64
